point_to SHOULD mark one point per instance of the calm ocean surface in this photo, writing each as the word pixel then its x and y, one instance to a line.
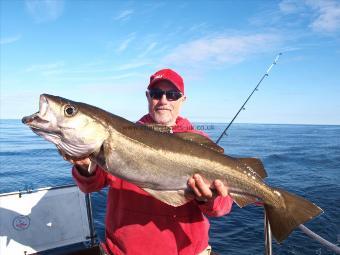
pixel 303 159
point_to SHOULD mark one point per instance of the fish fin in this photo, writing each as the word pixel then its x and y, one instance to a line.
pixel 201 140
pixel 255 164
pixel 296 211
pixel 171 197
pixel 242 200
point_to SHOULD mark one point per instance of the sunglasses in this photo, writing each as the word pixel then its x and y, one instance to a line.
pixel 171 95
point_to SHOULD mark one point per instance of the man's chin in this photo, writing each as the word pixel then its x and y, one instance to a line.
pixel 163 120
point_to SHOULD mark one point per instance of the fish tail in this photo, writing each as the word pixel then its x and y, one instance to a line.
pixel 294 211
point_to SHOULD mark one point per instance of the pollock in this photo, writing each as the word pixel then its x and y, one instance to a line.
pixel 160 162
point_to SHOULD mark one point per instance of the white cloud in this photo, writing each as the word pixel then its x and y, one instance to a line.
pixel 291 6
pixel 45 10
pixel 46 69
pixel 124 44
pixel 328 15
pixel 8 40
pixel 124 15
pixel 148 49
pixel 132 65
pixel 82 81
pixel 120 76
pixel 221 49
pixel 90 78
pixel 324 14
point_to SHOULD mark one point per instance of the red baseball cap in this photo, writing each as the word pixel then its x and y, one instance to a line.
pixel 168 75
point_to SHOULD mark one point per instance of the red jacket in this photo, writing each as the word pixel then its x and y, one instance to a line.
pixel 137 223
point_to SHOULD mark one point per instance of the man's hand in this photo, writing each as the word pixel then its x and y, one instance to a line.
pixel 203 189
pixel 81 164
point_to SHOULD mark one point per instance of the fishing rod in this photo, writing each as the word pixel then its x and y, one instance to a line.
pixel 304 229
pixel 255 89
pixel 268 239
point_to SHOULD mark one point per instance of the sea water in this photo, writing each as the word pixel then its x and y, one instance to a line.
pixel 303 159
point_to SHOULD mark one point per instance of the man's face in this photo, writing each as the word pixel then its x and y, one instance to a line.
pixel 163 111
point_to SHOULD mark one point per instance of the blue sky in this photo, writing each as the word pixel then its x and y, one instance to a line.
pixel 103 52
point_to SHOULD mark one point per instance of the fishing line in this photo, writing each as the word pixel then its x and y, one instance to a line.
pixel 266 74
pixel 304 229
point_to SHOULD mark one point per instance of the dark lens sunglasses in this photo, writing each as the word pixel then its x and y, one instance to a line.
pixel 171 95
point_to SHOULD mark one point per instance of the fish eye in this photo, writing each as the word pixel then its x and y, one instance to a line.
pixel 70 110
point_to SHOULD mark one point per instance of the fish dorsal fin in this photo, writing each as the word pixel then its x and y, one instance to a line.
pixel 255 165
pixel 171 197
pixel 201 140
pixel 188 136
pixel 242 200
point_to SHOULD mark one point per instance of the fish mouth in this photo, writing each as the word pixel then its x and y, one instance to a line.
pixel 45 131
pixel 38 116
pixel 32 119
pixel 35 123
pixel 39 122
pixel 41 127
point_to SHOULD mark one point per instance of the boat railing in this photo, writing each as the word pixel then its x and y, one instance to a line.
pixel 268 234
pixel 304 229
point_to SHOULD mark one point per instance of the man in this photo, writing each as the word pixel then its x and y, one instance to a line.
pixel 137 223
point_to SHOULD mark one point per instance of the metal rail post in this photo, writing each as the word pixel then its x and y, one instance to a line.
pixel 267 235
pixel 90 219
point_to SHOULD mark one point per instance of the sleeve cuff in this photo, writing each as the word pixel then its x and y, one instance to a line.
pixel 216 207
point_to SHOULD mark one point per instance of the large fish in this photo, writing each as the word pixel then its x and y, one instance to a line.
pixel 161 163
